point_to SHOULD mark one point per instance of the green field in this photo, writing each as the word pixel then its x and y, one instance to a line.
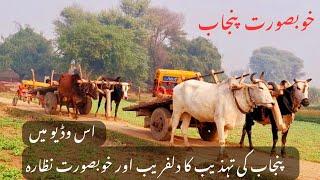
pixel 304 132
pixel 11 147
pixel 125 115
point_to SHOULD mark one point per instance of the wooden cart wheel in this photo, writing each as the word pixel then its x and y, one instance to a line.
pixel 160 124
pixel 207 131
pixel 85 107
pixel 15 101
pixel 50 103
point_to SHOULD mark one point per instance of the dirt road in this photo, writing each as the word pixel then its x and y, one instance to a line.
pixel 308 170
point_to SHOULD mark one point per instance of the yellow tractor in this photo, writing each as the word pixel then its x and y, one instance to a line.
pixel 166 79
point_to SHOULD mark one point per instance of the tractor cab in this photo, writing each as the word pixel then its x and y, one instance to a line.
pixel 166 79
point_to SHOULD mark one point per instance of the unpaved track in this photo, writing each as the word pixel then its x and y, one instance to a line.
pixel 308 170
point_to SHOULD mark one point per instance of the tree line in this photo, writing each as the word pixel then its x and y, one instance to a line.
pixel 130 41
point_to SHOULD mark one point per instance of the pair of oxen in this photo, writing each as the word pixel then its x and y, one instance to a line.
pixel 76 91
pixel 232 102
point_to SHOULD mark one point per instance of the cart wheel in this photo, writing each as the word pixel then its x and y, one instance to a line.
pixel 85 107
pixel 160 124
pixel 50 103
pixel 15 101
pixel 207 131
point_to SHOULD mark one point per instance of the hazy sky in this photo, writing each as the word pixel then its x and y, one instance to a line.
pixel 236 49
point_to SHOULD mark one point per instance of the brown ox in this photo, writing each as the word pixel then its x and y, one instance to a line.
pixel 74 92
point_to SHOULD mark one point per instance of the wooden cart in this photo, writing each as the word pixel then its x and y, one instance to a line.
pixel 47 95
pixel 158 113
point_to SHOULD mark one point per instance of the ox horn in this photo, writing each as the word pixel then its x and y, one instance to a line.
pixel 295 80
pixel 262 75
pixel 99 78
pixel 242 77
pixel 252 79
pixel 284 84
pixel 274 86
pixel 308 80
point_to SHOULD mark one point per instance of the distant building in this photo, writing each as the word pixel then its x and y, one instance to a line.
pixel 9 75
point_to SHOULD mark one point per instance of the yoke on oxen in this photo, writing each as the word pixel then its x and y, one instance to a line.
pixel 109 88
pixel 275 91
pixel 289 98
pixel 217 103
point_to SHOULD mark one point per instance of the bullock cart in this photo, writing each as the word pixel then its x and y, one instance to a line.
pixel 51 97
pixel 158 113
pixel 50 100
pixel 47 94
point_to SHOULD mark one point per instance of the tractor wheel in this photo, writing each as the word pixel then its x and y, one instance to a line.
pixel 85 107
pixel 15 101
pixel 50 103
pixel 160 124
pixel 207 131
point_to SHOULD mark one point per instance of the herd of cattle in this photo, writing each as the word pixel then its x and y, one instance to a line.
pixel 227 104
pixel 233 102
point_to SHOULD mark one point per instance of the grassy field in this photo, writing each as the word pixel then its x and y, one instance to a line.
pixel 11 147
pixel 304 132
pixel 125 115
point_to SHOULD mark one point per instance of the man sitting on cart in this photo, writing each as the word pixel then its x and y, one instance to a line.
pixel 74 68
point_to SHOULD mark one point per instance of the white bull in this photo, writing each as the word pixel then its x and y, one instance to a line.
pixel 225 104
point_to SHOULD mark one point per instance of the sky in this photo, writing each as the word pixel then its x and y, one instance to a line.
pixel 236 48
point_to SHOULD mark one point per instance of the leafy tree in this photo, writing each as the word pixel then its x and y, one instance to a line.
pixel 207 54
pixel 277 64
pixel 27 49
pixel 159 30
pixel 118 18
pixel 134 8
pixel 198 54
pixel 132 42
pixel 72 15
pixel 103 47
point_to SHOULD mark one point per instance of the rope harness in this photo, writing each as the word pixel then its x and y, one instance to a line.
pixel 249 101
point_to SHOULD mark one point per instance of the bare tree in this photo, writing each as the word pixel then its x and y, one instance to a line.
pixel 164 28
